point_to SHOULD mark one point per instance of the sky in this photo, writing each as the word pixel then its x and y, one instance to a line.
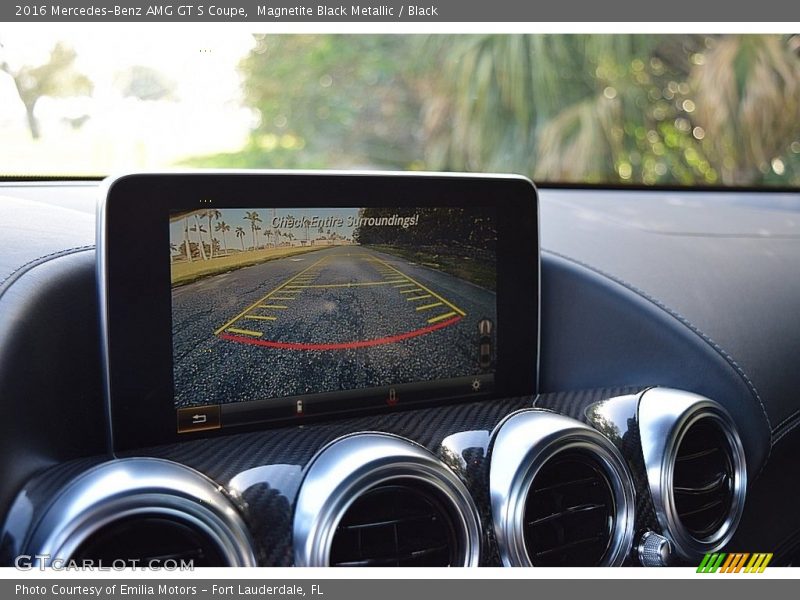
pixel 206 117
pixel 235 218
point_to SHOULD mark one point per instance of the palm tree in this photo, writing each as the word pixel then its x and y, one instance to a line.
pixel 648 108
pixel 254 219
pixel 200 230
pixel 257 228
pixel 748 103
pixel 240 234
pixel 223 227
pixel 289 235
pixel 211 214
pixel 268 235
pixel 186 238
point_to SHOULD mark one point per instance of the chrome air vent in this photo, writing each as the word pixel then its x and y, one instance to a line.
pixel 150 540
pixel 561 494
pixel 703 479
pixel 569 513
pixel 374 499
pixel 142 509
pixel 695 469
pixel 400 524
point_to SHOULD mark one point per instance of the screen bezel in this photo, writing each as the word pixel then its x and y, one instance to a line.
pixel 135 290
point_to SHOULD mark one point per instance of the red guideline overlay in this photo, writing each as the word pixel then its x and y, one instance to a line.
pixel 343 345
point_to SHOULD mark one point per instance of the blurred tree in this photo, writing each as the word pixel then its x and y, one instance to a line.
pixel 748 101
pixel 652 109
pixel 145 83
pixel 682 109
pixel 57 78
pixel 332 100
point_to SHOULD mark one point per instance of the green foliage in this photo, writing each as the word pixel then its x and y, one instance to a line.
pixel 445 226
pixel 57 78
pixel 332 99
pixel 652 109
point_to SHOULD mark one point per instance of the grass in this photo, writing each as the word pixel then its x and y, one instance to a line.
pixel 481 272
pixel 184 272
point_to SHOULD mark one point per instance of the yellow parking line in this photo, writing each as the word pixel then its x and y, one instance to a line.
pixel 245 332
pixel 418 297
pixel 283 298
pixel 260 317
pixel 416 289
pixel 337 285
pixel 437 296
pixel 260 300
pixel 403 285
pixel 272 306
pixel 442 317
pixel 427 306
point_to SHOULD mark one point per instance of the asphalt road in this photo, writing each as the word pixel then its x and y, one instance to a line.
pixel 335 319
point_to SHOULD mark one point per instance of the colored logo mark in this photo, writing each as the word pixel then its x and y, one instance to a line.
pixel 737 562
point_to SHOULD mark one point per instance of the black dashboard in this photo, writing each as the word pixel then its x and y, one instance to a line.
pixel 668 338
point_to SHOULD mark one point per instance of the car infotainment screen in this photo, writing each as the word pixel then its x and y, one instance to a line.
pixel 234 301
pixel 277 310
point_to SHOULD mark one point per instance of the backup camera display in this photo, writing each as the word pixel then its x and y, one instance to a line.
pixel 303 310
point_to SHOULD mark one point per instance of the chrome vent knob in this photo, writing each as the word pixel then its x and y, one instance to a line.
pixel 654 550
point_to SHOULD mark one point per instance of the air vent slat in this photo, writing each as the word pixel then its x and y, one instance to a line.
pixel 568 513
pixel 590 481
pixel 388 522
pixel 403 523
pixel 391 561
pixel 574 544
pixel 703 479
pixel 572 510
pixel 148 539
pixel 717 484
pixel 696 455
pixel 701 509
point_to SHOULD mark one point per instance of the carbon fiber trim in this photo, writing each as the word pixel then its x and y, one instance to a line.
pixel 224 458
pixel 269 512
pixel 459 434
pixel 574 404
pixel 33 499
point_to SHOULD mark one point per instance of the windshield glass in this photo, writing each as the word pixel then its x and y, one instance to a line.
pixel 640 109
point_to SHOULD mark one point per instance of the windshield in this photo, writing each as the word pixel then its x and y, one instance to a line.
pixel 640 109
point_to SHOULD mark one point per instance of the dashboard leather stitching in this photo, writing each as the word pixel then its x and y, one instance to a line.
pixel 19 271
pixel 787 419
pixel 694 329
pixel 778 434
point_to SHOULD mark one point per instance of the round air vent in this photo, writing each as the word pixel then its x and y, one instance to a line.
pixel 375 499
pixel 398 524
pixel 695 469
pixel 150 540
pixel 561 494
pixel 703 479
pixel 142 511
pixel 569 513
